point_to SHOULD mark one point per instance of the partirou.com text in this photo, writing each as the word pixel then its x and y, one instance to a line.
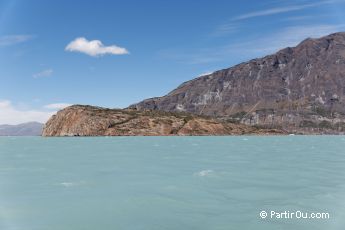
pixel 293 215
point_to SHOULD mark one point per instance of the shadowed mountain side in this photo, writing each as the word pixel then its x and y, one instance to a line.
pixel 299 89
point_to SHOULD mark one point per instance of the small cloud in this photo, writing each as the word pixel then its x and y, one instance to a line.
pixel 44 73
pixel 271 11
pixel 56 106
pixel 225 29
pixel 94 48
pixel 284 9
pixel 14 39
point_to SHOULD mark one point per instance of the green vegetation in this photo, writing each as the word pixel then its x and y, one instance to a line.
pixel 322 112
pixel 308 124
pixel 325 125
pixel 340 126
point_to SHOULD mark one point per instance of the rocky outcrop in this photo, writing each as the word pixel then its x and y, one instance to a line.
pixel 79 120
pixel 299 89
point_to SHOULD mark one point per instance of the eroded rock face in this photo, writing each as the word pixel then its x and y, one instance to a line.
pixel 79 120
pixel 300 89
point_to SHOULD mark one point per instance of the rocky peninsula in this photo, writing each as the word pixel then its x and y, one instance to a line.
pixel 81 120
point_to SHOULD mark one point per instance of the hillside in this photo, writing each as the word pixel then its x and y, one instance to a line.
pixel 80 120
pixel 299 89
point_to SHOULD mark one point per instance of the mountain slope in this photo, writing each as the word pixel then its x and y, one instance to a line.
pixel 297 89
pixel 25 129
pixel 79 120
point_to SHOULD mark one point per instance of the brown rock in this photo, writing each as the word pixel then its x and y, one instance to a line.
pixel 79 120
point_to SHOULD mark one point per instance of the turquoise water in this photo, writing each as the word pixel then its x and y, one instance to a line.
pixel 170 183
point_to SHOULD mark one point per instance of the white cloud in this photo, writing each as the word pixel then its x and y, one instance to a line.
pixel 279 10
pixel 57 106
pixel 14 39
pixel 44 73
pixel 9 114
pixel 94 48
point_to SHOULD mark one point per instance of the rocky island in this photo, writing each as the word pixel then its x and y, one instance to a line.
pixel 296 90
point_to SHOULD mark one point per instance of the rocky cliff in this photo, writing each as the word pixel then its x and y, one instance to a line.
pixel 79 120
pixel 299 89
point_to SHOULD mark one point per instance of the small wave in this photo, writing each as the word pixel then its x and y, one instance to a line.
pixel 204 173
pixel 70 184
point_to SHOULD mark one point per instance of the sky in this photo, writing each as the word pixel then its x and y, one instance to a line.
pixel 116 53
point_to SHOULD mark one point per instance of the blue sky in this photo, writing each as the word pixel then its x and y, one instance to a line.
pixel 115 53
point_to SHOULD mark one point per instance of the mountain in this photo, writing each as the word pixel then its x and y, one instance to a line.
pixel 80 120
pixel 299 89
pixel 26 129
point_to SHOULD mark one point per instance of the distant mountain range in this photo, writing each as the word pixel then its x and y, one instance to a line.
pixel 25 129
pixel 299 89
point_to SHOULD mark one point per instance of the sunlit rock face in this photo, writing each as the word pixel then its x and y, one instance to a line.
pixel 80 120
pixel 297 89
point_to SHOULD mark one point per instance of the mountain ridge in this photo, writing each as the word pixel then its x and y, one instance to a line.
pixel 299 89
pixel 24 129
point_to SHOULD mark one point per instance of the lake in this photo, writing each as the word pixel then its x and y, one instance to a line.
pixel 172 183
